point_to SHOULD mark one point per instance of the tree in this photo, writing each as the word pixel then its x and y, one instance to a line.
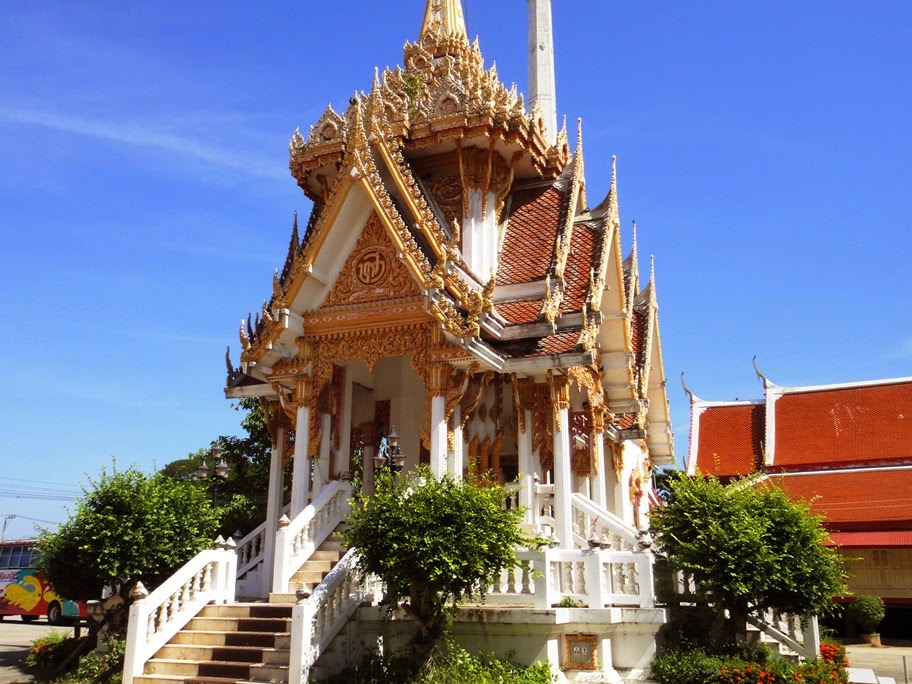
pixel 128 527
pixel 242 496
pixel 433 542
pixel 748 547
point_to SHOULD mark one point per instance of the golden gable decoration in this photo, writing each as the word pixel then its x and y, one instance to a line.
pixel 372 273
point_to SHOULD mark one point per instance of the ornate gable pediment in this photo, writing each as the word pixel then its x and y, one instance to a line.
pixel 372 273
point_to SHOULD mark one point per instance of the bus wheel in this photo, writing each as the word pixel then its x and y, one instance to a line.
pixel 28 618
pixel 55 614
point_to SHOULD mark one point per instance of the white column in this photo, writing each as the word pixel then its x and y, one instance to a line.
pixel 321 474
pixel 562 479
pixel 456 463
pixel 438 435
pixel 597 478
pixel 273 507
pixel 526 467
pixel 300 479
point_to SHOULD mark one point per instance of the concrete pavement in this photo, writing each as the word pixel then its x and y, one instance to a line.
pixel 886 661
pixel 15 639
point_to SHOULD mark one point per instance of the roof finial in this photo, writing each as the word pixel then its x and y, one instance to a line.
pixel 444 19
pixel 693 397
pixel 766 381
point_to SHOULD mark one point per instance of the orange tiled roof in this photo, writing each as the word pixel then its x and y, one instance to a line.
pixel 520 312
pixel 625 421
pixel 559 343
pixel 583 244
pixel 528 248
pixel 858 499
pixel 638 337
pixel 844 426
pixel 730 439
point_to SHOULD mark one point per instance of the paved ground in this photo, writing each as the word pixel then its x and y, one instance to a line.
pixel 15 639
pixel 886 661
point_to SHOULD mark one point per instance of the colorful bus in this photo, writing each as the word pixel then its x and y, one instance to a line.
pixel 24 593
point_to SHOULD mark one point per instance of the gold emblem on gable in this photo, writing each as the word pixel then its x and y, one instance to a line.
pixel 371 267
pixel 372 273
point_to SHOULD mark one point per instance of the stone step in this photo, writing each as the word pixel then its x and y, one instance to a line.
pixel 231 624
pixel 223 669
pixel 246 610
pixel 232 654
pixel 282 598
pixel 325 554
pixel 309 577
pixel 218 638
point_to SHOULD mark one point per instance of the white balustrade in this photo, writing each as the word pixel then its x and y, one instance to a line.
pixel 317 619
pixel 594 578
pixel 301 537
pixel 800 635
pixel 209 577
pixel 592 521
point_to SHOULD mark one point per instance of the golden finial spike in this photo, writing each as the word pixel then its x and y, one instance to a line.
pixel 444 19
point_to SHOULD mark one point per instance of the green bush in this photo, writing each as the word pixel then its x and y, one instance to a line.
pixel 101 668
pixel 696 666
pixel 867 612
pixel 451 665
pixel 47 653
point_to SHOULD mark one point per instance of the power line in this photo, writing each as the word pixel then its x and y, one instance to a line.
pixel 40 496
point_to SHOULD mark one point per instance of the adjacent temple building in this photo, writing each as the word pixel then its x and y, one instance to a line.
pixel 454 287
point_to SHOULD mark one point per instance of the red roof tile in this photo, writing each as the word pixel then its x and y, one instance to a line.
pixel 625 421
pixel 844 426
pixel 552 344
pixel 871 540
pixel 638 337
pixel 583 244
pixel 520 312
pixel 858 499
pixel 730 439
pixel 528 248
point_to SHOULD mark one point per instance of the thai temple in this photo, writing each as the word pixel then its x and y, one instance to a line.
pixel 457 293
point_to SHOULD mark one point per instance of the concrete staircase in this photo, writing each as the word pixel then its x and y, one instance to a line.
pixel 316 568
pixel 225 644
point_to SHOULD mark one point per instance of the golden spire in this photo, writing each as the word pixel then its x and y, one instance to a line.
pixel 443 19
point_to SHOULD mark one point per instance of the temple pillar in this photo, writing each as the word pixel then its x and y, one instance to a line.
pixel 277 431
pixel 456 462
pixel 300 477
pixel 597 476
pixel 522 389
pixel 302 466
pixel 369 434
pixel 438 375
pixel 321 474
pixel 563 513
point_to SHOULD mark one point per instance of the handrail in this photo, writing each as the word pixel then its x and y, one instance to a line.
pixel 296 541
pixel 316 620
pixel 250 550
pixel 590 519
pixel 787 633
pixel 155 618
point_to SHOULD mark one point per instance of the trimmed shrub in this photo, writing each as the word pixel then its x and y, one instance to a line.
pixel 867 612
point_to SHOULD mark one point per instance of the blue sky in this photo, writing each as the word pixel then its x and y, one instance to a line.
pixel 763 149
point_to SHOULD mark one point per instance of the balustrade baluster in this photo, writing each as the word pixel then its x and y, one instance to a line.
pixel 150 626
pixel 185 595
pixel 207 577
pixel 526 577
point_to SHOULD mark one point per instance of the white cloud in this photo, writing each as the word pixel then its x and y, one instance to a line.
pixel 148 136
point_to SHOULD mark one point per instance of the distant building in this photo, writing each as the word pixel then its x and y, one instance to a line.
pixel 846 448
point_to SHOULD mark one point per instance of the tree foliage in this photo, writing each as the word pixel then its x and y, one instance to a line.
pixel 749 546
pixel 433 542
pixel 241 498
pixel 128 527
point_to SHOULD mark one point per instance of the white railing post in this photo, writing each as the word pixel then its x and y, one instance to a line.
pixel 282 552
pixel 595 579
pixel 137 635
pixel 811 638
pixel 302 618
